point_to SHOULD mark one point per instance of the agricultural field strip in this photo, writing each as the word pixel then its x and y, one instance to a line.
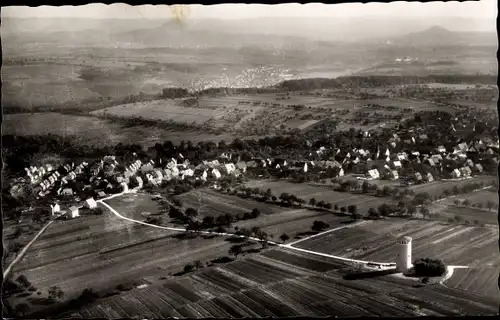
pixel 325 232
pixel 230 234
pixel 26 247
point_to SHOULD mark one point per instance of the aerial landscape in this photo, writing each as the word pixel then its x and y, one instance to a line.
pixel 241 160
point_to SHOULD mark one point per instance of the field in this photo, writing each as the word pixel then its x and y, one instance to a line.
pixel 136 206
pixel 437 187
pixel 274 219
pixel 71 253
pixel 306 192
pixel 481 281
pixel 376 241
pixel 483 197
pixel 95 131
pixel 281 283
pixel 483 216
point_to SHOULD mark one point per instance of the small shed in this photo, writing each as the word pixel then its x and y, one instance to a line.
pixel 73 212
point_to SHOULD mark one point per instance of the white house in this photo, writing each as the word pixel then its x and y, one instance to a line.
pixel 374 174
pixel 216 173
pixel 305 167
pixel 67 192
pixel 341 172
pixel 429 177
pixel 73 212
pixel 90 203
pixel 441 149
pixel 456 174
pixel 479 167
pixel 229 167
pixel 397 164
pixel 175 172
pixel 54 208
pixel 394 175
pixel 204 175
pixel 418 176
pixel 242 166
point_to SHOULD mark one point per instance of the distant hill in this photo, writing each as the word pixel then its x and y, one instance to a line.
pixel 439 36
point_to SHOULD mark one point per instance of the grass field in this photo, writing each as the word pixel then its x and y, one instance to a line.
pixel 281 283
pixel 376 241
pixel 483 216
pixel 136 206
pixel 306 192
pixel 274 220
pixel 481 281
pixel 482 197
pixel 96 131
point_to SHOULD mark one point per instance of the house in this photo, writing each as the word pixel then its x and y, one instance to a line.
pixel 431 162
pixel 341 172
pixel 48 168
pixel 90 203
pixel 429 177
pixel 394 175
pixel 305 167
pixel 124 186
pixel 469 163
pixel 158 175
pixel 242 166
pixel 441 149
pixel 418 176
pixel 175 172
pixel 188 172
pixel 463 146
pixel 478 167
pixel 216 174
pixel 465 171
pixel 101 194
pixel 251 164
pixel 374 174
pixel 204 175
pixel 229 168
pixel 397 164
pixel 456 174
pixel 55 208
pixel 73 212
pixel 67 192
pixel 423 137
pixel 139 181
pixel 147 168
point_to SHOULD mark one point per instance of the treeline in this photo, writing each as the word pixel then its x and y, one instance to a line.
pixel 382 81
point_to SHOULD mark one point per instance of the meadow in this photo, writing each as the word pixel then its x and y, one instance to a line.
pixel 282 283
pixel 96 131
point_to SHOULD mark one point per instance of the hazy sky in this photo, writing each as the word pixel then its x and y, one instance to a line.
pixel 471 9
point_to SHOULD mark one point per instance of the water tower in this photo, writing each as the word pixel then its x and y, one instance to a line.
pixel 404 257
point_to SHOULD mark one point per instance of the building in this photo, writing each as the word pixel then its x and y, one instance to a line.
pixel 90 203
pixel 229 168
pixel 101 194
pixel 73 212
pixel 67 192
pixel 394 175
pixel 55 208
pixel 404 262
pixel 124 186
pixel 456 174
pixel 441 149
pixel 429 177
pixel 216 174
pixel 397 164
pixel 479 167
pixel 242 166
pixel 418 176
pixel 374 174
pixel 465 171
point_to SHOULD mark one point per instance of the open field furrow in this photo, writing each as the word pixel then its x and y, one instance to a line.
pixel 278 308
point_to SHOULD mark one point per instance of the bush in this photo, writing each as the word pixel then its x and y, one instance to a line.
pixel 188 268
pixel 125 287
pixel 429 267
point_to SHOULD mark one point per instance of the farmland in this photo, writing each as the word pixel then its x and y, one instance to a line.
pixel 71 253
pixel 136 206
pixel 274 219
pixel 95 131
pixel 281 283
pixel 454 244
pixel 320 193
pixel 481 281
pixel 469 214
pixel 437 187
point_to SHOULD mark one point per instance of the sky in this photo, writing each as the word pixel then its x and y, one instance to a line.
pixel 484 9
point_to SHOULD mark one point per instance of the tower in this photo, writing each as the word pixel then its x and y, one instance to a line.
pixel 404 257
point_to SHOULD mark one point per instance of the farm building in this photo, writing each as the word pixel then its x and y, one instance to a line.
pixel 215 173
pixel 73 212
pixel 90 203
pixel 404 256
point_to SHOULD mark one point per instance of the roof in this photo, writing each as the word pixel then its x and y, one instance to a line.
pixel 73 208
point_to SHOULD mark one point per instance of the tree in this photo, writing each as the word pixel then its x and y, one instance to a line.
pixel 466 203
pixel 23 281
pixel 352 209
pixel 255 231
pixel 372 213
pixel 456 202
pixel 284 237
pixel 274 198
pixel 191 213
pixel 429 267
pixel 21 309
pixel 476 222
pixel 328 206
pixel 262 236
pixel 424 211
pixel 458 219
pixel 411 209
pixel 255 213
pixel 490 204
pixel 343 209
pixel 312 202
pixel 235 250
pixel 336 208
pixel 319 225
pixel 198 264
pixel 98 211
pixel 365 187
pixel 384 209
pixel 55 293
pixel 188 268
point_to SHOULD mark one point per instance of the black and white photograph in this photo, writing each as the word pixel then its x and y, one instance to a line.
pixel 235 160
